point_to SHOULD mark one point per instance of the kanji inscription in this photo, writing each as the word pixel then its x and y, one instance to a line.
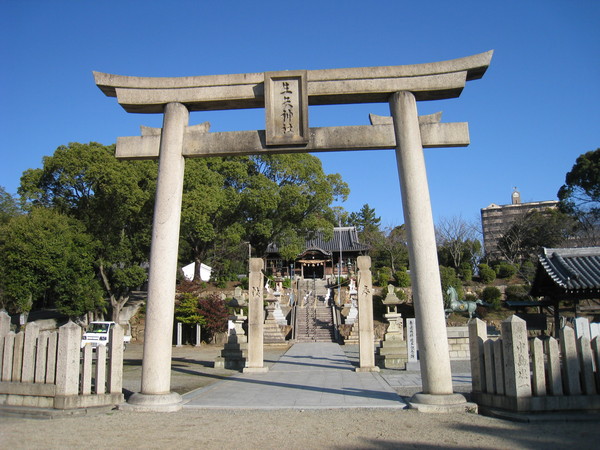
pixel 286 108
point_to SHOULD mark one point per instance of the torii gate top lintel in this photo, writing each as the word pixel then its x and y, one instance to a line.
pixel 430 81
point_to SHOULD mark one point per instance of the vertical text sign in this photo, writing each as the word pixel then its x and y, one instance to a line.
pixel 411 337
pixel 286 108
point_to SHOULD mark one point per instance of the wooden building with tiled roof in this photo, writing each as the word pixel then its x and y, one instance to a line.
pixel 320 257
pixel 567 274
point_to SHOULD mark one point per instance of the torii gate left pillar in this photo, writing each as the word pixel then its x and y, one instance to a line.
pixel 287 131
pixel 156 375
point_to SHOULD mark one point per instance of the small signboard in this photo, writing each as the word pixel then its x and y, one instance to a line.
pixel 411 338
pixel 286 108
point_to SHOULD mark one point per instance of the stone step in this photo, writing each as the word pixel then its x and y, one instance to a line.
pixel 314 324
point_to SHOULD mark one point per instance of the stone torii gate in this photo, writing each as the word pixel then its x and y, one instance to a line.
pixel 286 96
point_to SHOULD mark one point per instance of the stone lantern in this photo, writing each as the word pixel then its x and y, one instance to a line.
pixel 393 353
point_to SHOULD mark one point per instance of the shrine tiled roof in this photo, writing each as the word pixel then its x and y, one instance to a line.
pixel 347 235
pixel 568 271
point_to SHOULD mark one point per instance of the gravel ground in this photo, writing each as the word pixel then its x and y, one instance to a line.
pixel 267 429
pixel 292 429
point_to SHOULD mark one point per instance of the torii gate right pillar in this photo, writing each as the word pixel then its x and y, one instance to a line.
pixel 425 276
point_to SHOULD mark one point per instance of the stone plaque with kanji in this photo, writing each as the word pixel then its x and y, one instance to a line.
pixel 286 108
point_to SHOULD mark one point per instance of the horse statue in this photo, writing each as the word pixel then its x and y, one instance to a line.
pixel 457 305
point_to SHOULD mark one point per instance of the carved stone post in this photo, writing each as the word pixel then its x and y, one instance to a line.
pixel 365 316
pixel 256 317
pixel 477 337
pixel 115 373
pixel 570 361
pixel 427 291
pixel 67 370
pixel 517 378
pixel 156 364
pixel 32 331
pixel 4 323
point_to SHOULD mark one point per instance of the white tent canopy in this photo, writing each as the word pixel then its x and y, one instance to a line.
pixel 188 271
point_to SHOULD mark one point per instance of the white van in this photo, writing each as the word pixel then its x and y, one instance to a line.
pixel 98 333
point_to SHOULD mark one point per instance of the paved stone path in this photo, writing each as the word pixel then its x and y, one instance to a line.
pixel 307 376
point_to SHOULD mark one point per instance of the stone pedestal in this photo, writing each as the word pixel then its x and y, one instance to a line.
pixel 272 332
pixel 278 314
pixel 352 315
pixel 235 351
pixel 353 337
pixel 393 353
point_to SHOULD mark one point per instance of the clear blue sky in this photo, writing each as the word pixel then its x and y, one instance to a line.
pixel 536 109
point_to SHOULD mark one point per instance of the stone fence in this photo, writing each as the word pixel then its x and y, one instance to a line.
pixel 49 369
pixel 517 374
pixel 458 343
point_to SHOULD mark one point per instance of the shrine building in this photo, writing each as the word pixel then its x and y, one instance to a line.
pixel 320 258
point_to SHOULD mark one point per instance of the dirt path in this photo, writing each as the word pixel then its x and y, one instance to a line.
pixel 270 429
pixel 292 429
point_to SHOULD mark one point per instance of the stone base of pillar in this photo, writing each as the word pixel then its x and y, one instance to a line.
pixel 447 403
pixel 367 369
pixel 255 370
pixel 171 402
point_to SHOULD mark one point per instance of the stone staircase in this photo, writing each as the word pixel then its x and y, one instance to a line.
pixel 314 324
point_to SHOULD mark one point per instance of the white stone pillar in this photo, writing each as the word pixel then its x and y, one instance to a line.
pixel 156 363
pixel 427 291
pixel 198 335
pixel 179 334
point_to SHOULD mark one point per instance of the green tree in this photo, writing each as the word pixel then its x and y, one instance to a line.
pixel 466 271
pixel 230 203
pixel 391 247
pixel 383 276
pixel 187 311
pixel 365 220
pixel 113 199
pixel 533 230
pixel 47 259
pixel 8 206
pixel 402 277
pixel 517 292
pixel 449 278
pixel 486 273
pixel 285 199
pixel 492 295
pixel 505 270
pixel 580 196
pixel 210 227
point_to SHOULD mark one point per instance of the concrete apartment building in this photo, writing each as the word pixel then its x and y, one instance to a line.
pixel 496 219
